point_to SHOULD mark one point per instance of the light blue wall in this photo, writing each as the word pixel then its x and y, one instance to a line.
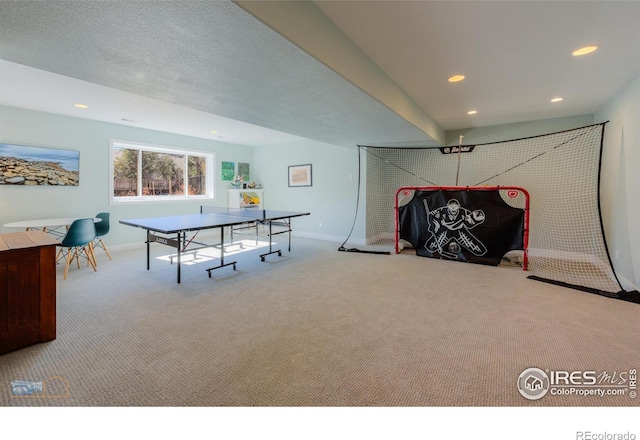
pixel 332 197
pixel 91 138
pixel 620 182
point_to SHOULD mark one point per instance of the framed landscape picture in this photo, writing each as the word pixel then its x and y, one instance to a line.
pixel 300 175
pixel 38 166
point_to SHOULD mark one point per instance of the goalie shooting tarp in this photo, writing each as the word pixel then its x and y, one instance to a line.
pixel 471 226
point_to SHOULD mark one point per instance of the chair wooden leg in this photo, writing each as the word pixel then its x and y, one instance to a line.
pixel 67 263
pixel 105 248
pixel 93 256
pixel 76 256
pixel 88 251
pixel 93 253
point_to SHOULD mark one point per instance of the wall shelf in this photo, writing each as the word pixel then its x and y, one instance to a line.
pixel 245 198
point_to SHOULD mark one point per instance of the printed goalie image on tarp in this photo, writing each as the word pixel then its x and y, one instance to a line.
pixel 475 226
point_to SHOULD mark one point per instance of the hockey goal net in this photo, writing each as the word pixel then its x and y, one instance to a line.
pixel 560 171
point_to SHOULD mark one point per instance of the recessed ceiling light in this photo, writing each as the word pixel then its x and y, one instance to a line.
pixel 584 50
pixel 81 105
pixel 558 99
pixel 213 132
pixel 472 112
pixel 456 78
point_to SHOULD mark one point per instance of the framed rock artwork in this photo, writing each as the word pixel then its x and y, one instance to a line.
pixel 38 166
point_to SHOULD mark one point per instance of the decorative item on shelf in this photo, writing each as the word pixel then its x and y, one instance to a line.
pixel 251 185
pixel 237 181
pixel 250 199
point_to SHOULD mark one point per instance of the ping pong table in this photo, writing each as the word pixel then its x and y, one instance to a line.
pixel 185 228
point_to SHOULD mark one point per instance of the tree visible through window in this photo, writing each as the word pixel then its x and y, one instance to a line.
pixel 142 172
pixel 197 167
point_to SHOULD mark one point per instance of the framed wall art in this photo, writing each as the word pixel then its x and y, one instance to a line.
pixel 38 166
pixel 244 171
pixel 300 175
pixel 228 170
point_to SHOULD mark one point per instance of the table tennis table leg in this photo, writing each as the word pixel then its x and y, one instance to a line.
pixel 222 263
pixel 180 238
pixel 271 251
pixel 257 236
pixel 148 251
pixel 222 245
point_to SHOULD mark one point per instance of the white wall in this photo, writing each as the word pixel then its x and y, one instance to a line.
pixel 91 138
pixel 496 133
pixel 331 199
pixel 620 182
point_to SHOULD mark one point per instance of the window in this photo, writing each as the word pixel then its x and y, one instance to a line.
pixel 150 173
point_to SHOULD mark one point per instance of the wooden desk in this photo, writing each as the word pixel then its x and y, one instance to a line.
pixel 27 289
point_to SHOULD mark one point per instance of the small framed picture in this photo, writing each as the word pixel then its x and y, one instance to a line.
pixel 300 175
pixel 228 170
pixel 243 171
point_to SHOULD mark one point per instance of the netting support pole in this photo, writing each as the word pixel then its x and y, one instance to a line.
pixel 459 152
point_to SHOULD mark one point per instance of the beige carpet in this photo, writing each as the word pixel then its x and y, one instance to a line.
pixel 318 327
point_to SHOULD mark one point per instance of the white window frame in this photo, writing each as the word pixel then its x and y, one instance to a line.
pixel 209 185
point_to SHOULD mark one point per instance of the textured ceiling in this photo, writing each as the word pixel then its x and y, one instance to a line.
pixel 344 73
pixel 207 56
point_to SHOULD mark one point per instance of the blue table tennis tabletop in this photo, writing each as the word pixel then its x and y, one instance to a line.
pixel 174 224
pixel 180 225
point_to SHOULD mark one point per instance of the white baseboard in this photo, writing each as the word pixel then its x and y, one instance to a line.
pixel 626 284
pixel 326 237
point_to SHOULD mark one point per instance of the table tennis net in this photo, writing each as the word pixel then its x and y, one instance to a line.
pixel 252 214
